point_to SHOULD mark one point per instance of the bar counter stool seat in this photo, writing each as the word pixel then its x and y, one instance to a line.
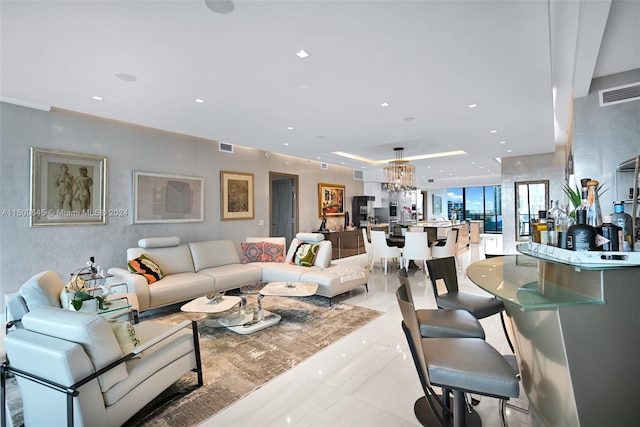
pixel 436 323
pixel 461 365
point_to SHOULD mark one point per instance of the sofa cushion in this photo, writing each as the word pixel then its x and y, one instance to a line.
pixel 179 287
pixel 305 254
pixel 323 256
pixel 92 331
pixel 272 252
pixel 251 252
pixel 146 267
pixel 233 275
pixel 42 290
pixel 125 334
pixel 172 260
pixel 213 253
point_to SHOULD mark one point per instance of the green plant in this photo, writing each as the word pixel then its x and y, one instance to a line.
pixel 574 195
pixel 79 297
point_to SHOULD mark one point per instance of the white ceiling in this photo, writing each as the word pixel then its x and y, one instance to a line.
pixel 428 59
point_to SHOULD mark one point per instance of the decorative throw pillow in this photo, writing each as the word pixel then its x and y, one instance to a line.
pixel 147 267
pixel 251 252
pixel 305 254
pixel 125 334
pixel 272 252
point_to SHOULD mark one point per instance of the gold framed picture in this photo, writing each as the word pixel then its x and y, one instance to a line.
pixel 330 200
pixel 237 195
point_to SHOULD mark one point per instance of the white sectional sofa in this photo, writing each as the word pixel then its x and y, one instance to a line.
pixel 194 269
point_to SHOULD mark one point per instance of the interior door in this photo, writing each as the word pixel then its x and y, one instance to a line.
pixel 284 207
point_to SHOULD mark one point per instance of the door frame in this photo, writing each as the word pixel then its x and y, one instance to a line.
pixel 295 179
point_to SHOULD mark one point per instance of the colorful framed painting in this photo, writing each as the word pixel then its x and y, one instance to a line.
pixel 330 200
pixel 237 195
pixel 437 204
pixel 67 188
pixel 163 198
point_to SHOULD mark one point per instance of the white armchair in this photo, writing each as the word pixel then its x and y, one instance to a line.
pixel 72 370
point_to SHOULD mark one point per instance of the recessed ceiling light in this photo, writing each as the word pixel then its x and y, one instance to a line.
pixel 97 98
pixel 289 127
pixel 409 119
pixel 473 105
pixel 509 151
pixel 126 77
pixel 493 131
pixel 503 142
pixel 286 143
pixel 385 104
pixel 302 54
pixel 199 100
pixel 473 163
pixel 219 6
pixel 318 157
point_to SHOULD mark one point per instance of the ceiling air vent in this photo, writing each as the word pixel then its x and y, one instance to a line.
pixel 620 94
pixel 227 148
pixel 357 175
pixel 324 166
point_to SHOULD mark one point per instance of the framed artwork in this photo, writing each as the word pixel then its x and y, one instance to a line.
pixel 237 195
pixel 67 188
pixel 330 200
pixel 437 204
pixel 162 198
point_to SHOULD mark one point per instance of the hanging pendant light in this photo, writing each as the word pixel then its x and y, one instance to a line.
pixel 400 175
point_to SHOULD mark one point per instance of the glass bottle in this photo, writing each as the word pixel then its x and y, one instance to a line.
pixel 623 220
pixel 594 214
pixel 562 226
pixel 581 236
pixel 542 234
pixel 553 217
pixel 584 193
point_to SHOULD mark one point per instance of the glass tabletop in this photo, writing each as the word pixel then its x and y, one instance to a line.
pixel 515 279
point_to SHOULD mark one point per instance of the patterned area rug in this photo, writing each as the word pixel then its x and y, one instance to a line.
pixel 234 365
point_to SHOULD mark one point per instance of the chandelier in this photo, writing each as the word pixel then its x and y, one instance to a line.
pixel 400 175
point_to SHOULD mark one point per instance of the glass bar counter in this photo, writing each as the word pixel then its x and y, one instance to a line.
pixel 576 332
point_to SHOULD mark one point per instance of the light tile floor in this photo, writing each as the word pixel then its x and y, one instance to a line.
pixel 368 377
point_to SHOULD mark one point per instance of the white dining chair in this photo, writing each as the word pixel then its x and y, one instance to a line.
pixel 367 248
pixel 416 248
pixel 382 250
pixel 446 249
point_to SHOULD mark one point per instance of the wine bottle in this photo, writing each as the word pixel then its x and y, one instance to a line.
pixel 581 236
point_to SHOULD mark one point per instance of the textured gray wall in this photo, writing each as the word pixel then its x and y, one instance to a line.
pixel 606 137
pixel 25 251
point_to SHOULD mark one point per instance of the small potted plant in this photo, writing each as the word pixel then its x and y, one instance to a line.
pixel 83 301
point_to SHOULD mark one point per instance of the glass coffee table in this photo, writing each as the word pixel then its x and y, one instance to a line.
pixel 263 319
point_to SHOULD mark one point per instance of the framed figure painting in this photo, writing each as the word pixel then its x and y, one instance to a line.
pixel 330 200
pixel 67 188
pixel 237 195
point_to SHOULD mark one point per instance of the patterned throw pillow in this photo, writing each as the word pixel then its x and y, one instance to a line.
pixel 305 254
pixel 251 252
pixel 272 252
pixel 145 266
pixel 125 334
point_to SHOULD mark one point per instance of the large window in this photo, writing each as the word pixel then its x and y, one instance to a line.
pixel 477 204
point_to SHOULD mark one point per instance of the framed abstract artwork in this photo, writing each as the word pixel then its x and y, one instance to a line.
pixel 330 200
pixel 237 195
pixel 67 188
pixel 437 204
pixel 162 198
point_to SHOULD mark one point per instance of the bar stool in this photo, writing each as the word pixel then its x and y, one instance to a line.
pixel 436 323
pixel 479 306
pixel 462 365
